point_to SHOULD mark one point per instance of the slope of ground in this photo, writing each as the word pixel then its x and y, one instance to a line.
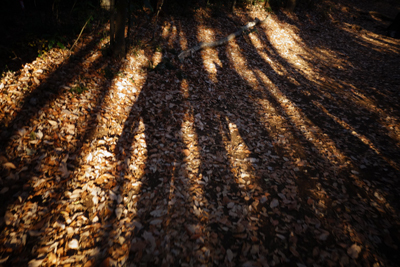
pixel 280 148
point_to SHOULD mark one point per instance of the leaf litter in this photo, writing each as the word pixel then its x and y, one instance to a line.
pixel 279 148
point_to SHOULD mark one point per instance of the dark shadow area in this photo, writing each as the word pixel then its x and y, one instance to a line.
pixel 270 159
pixel 283 160
pixel 155 121
pixel 372 16
pixel 31 28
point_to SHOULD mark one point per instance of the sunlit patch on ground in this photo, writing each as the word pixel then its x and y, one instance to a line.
pixel 279 147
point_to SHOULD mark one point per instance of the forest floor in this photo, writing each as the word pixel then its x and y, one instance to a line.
pixel 281 147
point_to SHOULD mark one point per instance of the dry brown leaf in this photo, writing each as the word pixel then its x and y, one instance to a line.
pixel 73 244
pixel 294 251
pixel 229 255
pixel 52 258
pixel 9 165
pixel 323 236
pixel 274 203
pixel 35 262
pixel 353 251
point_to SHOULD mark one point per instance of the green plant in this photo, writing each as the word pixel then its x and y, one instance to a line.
pixel 41 53
pixel 78 89
pixel 253 30
pixel 275 4
pixel 269 9
pixel 32 135
pixel 46 43
pixel 55 40
pixel 137 47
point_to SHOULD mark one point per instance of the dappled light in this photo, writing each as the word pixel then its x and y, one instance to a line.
pixel 359 136
pixel 209 56
pixel 278 146
pixel 370 40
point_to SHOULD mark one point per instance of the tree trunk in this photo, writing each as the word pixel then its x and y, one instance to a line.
pixel 112 23
pixel 119 46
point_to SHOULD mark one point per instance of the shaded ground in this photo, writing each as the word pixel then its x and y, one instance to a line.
pixel 280 148
pixel 31 31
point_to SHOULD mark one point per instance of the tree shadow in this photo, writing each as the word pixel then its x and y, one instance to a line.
pixel 246 159
pixel 160 177
pixel 334 95
pixel 45 182
pixel 323 113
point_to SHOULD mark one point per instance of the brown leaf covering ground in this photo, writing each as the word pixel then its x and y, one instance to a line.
pixel 280 148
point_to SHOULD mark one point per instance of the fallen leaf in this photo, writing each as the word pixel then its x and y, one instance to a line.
pixel 229 255
pixel 323 236
pixel 52 123
pixel 35 262
pixel 149 238
pixel 64 170
pixel 8 218
pixel 9 165
pixel 118 212
pixel 73 244
pixel 4 190
pixel 274 203
pixel 353 251
pixel 294 251
pixel 52 258
pixel 3 260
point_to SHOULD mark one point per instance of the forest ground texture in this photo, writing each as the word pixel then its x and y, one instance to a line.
pixel 280 148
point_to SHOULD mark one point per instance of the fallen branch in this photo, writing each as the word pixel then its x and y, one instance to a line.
pixel 72 47
pixel 222 41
